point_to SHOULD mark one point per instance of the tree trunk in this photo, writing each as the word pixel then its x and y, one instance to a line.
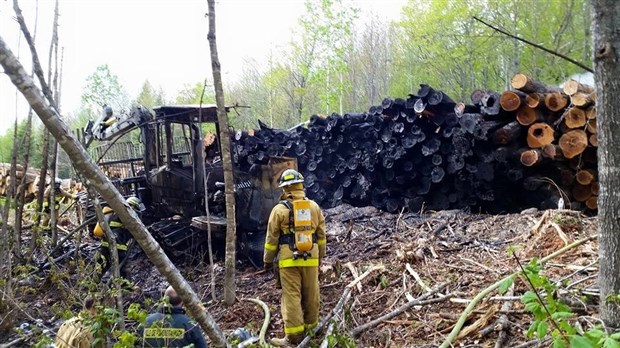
pixel 606 44
pixel 41 188
pixel 19 197
pixel 52 199
pixel 231 223
pixel 89 170
pixel 5 257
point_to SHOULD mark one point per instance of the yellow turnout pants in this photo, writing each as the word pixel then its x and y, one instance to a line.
pixel 300 300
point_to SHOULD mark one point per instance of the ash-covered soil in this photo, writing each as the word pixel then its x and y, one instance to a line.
pixel 466 253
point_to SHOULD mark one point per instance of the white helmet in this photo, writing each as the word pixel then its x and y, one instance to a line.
pixel 136 204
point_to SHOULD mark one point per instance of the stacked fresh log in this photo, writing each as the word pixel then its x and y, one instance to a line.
pixel 31 178
pixel 561 137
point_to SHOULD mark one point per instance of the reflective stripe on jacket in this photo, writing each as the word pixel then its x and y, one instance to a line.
pixel 172 328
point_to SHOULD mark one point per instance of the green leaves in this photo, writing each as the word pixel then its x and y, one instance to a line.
pixel 503 287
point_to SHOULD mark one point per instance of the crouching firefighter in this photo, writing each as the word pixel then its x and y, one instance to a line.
pixel 120 233
pixel 296 231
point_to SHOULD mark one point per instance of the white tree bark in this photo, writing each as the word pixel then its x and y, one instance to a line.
pixel 606 46
pixel 231 222
pixel 89 170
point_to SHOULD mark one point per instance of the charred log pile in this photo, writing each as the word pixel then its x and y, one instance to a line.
pixel 523 148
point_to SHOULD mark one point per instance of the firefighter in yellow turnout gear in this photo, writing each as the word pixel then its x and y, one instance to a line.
pixel 120 233
pixel 59 194
pixel 296 230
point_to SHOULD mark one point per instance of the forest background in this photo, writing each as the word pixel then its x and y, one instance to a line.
pixel 333 65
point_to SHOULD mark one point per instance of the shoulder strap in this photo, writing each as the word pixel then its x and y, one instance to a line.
pixel 287 204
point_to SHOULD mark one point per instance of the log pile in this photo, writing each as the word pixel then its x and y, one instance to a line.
pixel 504 152
pixel 31 178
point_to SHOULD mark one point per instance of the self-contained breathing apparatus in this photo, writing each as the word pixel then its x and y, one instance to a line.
pixel 301 236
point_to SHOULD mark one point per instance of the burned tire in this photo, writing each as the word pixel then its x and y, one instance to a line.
pixel 252 245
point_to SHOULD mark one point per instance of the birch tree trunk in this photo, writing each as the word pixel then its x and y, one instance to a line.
pixel 231 223
pixel 606 46
pixel 89 170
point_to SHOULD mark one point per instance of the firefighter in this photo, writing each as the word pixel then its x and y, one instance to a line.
pixel 75 332
pixel 171 327
pixel 296 231
pixel 59 194
pixel 121 235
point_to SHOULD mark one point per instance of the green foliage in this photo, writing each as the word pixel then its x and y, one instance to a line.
pixel 553 317
pixel 503 287
pixel 103 88
pixel 191 94
pixel 150 98
pixel 340 339
pixel 444 46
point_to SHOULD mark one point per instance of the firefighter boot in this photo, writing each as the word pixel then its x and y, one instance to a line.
pixel 279 342
pixel 288 341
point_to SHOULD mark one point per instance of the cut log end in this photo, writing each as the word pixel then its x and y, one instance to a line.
pixel 573 143
pixel 527 115
pixel 583 99
pixel 585 177
pixel 593 140
pixel 533 100
pixel 575 118
pixel 531 157
pixel 519 81
pixel 510 101
pixel 571 87
pixel 539 135
pixel 592 203
pixel 556 101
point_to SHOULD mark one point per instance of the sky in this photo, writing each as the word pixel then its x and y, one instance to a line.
pixel 164 41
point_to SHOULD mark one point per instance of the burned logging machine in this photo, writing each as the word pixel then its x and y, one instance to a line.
pixel 162 159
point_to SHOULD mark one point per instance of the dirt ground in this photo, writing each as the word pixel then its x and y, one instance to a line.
pixel 465 253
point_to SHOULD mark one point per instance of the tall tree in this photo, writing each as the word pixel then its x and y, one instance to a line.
pixel 104 88
pixel 316 61
pixel 606 45
pixel 85 166
pixel 148 97
pixel 229 189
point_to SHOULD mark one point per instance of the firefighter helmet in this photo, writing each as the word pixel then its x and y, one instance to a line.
pixel 289 177
pixel 136 204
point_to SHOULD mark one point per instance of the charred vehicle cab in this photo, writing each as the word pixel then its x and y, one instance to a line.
pixel 166 160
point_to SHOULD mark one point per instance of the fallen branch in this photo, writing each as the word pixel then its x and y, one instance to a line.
pixel 459 324
pixel 417 278
pixel 263 329
pixel 480 323
pixel 330 329
pixel 365 274
pixel 503 321
pixel 343 299
pixel 420 301
pixel 355 274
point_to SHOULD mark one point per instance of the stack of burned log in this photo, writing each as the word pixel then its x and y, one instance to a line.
pixel 501 153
